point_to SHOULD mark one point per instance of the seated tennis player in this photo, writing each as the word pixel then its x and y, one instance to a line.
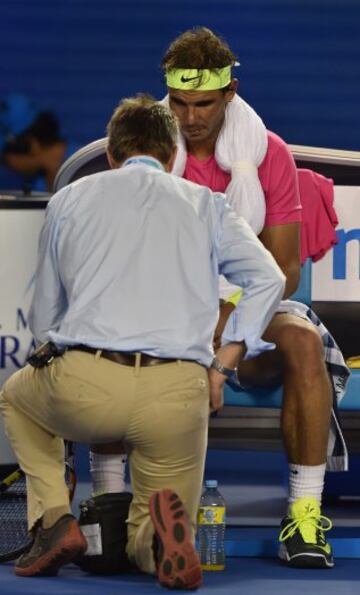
pixel 224 145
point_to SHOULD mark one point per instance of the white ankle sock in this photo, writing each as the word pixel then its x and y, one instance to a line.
pixel 306 480
pixel 107 473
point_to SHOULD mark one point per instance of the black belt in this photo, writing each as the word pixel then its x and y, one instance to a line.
pixel 123 357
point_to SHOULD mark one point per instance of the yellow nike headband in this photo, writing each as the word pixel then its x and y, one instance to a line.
pixel 197 79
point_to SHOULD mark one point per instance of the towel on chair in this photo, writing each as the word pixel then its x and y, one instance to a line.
pixel 319 217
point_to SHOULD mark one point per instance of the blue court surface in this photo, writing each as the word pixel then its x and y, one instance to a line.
pixel 247 576
pixel 254 486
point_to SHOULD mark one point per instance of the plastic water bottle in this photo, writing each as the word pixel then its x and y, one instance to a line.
pixel 211 528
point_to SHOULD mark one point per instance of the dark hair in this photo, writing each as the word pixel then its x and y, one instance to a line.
pixel 198 48
pixel 142 125
pixel 45 129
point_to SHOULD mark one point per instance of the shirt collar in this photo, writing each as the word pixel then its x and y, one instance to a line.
pixel 145 160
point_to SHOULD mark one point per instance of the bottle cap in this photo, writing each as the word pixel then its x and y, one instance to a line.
pixel 211 483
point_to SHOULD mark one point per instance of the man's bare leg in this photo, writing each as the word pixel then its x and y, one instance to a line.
pixel 298 362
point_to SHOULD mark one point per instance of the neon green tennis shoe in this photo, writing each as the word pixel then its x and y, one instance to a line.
pixel 302 539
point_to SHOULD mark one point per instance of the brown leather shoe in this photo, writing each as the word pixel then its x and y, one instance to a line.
pixel 52 548
pixel 178 564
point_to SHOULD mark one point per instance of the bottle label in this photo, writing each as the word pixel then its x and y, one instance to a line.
pixel 211 515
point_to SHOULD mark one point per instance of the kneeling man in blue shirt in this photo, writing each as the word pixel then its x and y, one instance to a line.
pixel 127 293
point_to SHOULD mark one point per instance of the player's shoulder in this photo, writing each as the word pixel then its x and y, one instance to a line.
pixel 276 143
pixel 278 155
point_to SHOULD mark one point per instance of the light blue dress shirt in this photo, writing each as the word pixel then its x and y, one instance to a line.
pixel 129 260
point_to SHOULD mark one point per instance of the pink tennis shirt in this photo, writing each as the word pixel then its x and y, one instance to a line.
pixel 277 175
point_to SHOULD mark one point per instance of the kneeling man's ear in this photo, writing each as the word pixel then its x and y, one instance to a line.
pixel 111 161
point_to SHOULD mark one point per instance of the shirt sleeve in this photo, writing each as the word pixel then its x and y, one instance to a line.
pixel 278 177
pixel 49 300
pixel 245 262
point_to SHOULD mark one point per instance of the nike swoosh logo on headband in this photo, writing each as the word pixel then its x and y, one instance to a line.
pixel 187 80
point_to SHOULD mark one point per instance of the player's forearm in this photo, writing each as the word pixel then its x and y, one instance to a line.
pixel 292 274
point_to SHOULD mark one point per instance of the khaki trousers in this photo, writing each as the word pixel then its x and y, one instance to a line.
pixel 161 412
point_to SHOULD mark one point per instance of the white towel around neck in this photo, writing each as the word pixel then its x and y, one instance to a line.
pixel 240 149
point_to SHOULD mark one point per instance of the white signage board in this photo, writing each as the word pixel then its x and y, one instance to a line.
pixel 19 236
pixel 336 277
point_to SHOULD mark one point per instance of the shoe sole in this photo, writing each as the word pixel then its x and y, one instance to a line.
pixel 178 564
pixel 308 560
pixel 70 547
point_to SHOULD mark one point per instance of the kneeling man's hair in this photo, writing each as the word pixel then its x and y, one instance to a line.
pixel 140 125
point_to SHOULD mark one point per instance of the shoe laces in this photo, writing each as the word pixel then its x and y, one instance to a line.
pixel 308 525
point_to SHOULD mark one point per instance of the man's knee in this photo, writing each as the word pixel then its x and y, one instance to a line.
pixel 301 345
pixel 8 390
pixel 11 387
